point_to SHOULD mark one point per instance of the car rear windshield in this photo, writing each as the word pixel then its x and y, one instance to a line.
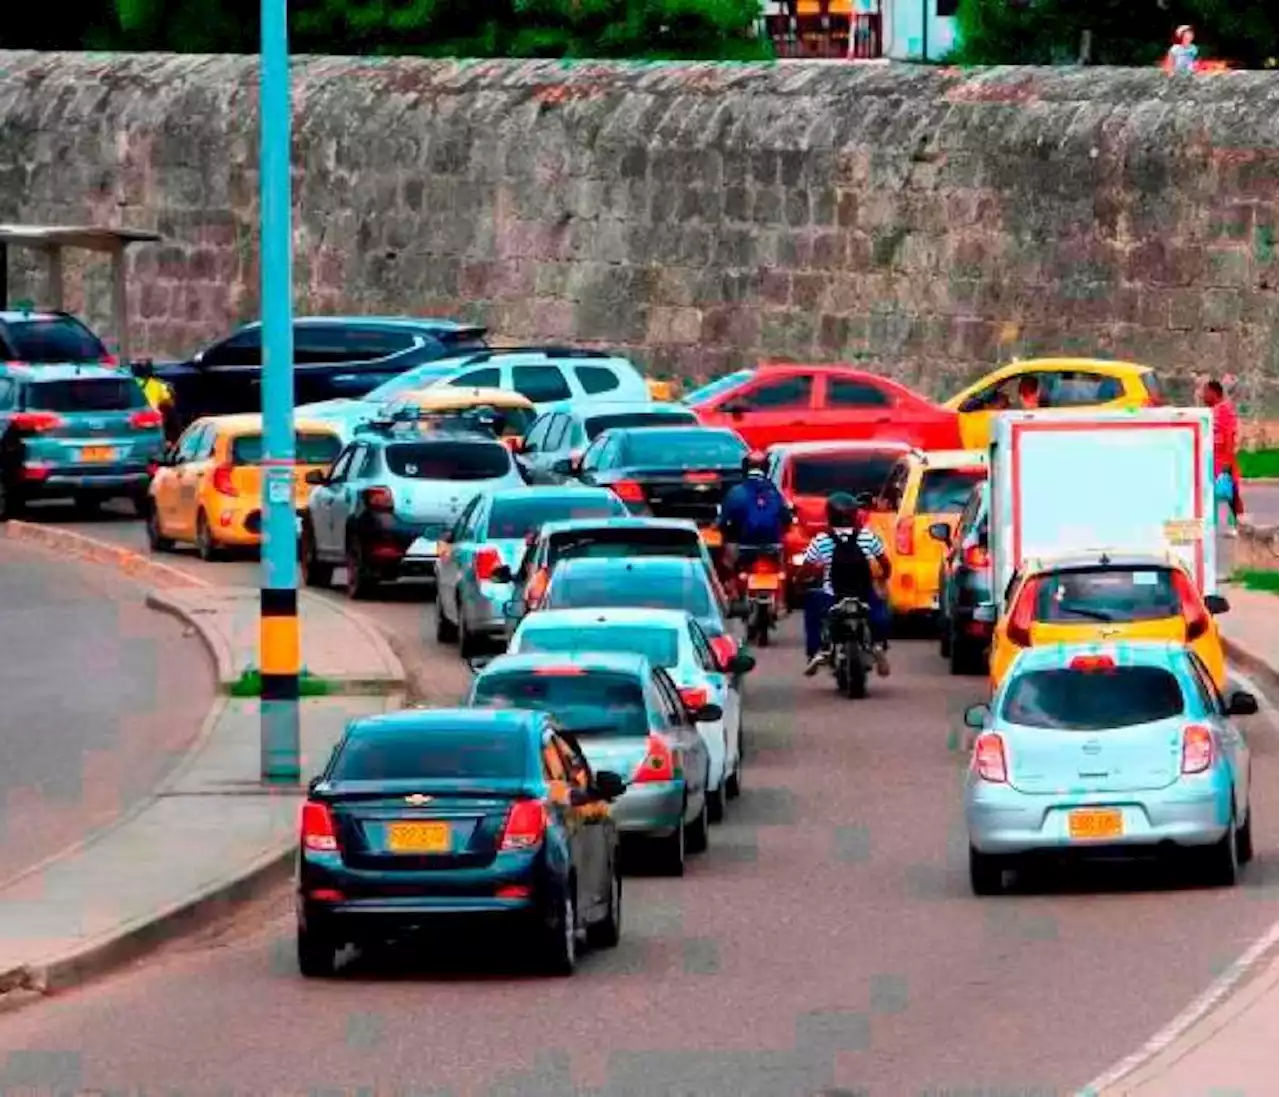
pixel 88 394
pixel 449 460
pixel 679 449
pixel 413 754
pixel 309 449
pixel 53 339
pixel 946 491
pixel 719 385
pixel 598 424
pixel 609 544
pixel 621 587
pixel 1076 700
pixel 660 645
pixel 1107 594
pixel 825 475
pixel 583 702
pixel 517 518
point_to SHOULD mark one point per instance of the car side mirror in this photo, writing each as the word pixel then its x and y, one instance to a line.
pixel 976 716
pixel 1216 604
pixel 501 574
pixel 707 714
pixel 940 531
pixel 608 785
pixel 1241 703
pixel 317 477
pixel 740 664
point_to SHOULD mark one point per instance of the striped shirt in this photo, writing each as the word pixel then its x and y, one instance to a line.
pixel 822 548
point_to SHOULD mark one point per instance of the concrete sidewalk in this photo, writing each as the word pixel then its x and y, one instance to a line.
pixel 211 833
pixel 1251 630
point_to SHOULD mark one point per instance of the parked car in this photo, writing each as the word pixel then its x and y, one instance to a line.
pixel 553 442
pixel 554 378
pixel 964 584
pixel 32 338
pixel 334 356
pixel 479 554
pixel 776 403
pixel 74 432
pixel 432 820
pixel 628 718
pixel 1108 750
pixel 382 509
pixel 208 489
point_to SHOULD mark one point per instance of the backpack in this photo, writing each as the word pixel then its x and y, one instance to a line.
pixel 762 518
pixel 850 568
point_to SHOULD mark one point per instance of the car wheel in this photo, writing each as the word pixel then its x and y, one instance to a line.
pixel 945 642
pixel 156 540
pixel 986 873
pixel 671 851
pixel 206 547
pixel 733 783
pixel 699 835
pixel 560 945
pixel 314 573
pixel 468 643
pixel 359 582
pixel 1244 841
pixel 446 630
pixel 964 659
pixel 607 932
pixel 1221 861
pixel 317 954
pixel 715 803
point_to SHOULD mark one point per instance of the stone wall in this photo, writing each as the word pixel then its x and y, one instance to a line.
pixel 926 222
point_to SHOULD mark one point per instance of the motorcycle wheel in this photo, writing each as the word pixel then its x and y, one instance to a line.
pixel 760 626
pixel 855 671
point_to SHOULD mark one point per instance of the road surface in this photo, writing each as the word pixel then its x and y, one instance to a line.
pixel 100 696
pixel 1261 504
pixel 827 940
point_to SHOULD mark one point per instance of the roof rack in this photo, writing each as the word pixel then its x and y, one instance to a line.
pixel 409 419
pixel 545 351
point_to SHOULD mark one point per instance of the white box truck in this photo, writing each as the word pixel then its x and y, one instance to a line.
pixel 1138 481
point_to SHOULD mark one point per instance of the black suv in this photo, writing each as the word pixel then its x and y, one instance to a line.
pixel 333 356
pixel 48 338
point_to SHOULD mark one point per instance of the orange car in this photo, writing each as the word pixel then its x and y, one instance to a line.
pixel 208 489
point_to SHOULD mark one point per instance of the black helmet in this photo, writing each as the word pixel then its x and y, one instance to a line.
pixel 755 461
pixel 842 510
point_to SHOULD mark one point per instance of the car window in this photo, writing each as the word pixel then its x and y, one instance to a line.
pixel 825 474
pixel 1106 595
pixel 557 434
pixel 844 392
pixel 53 339
pixel 970 513
pixel 338 472
pixel 592 458
pixel 683 589
pixel 358 455
pixel 462 528
pixel 671 703
pixel 659 643
pixel 516 518
pixel 244 348
pixel 946 491
pixel 309 448
pixel 87 394
pixel 534 440
pixel 554 767
pixel 189 445
pixel 368 463
pixel 682 448
pixel 785 392
pixel 583 702
pixel 1155 392
pixel 8 394
pixel 1071 389
pixel 1062 699
pixel 578 766
pixel 340 343
pixel 1003 395
pixel 540 383
pixel 596 424
pixel 465 461
pixel 895 485
pixel 439 752
pixel 595 379
pixel 717 386
pixel 701 648
pixel 603 542
pixel 488 378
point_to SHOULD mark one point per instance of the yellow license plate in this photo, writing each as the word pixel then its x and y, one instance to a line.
pixel 98 453
pixel 762 582
pixel 711 537
pixel 418 837
pixel 1093 825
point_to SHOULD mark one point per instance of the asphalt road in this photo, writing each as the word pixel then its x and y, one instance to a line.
pixel 1262 504
pixel 100 697
pixel 828 939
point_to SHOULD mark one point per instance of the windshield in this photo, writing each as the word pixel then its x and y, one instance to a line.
pixel 829 473
pixel 1121 594
pixel 946 491
pixel 1075 700
pixel 660 645
pixel 608 544
pixel 517 518
pixel 572 588
pixel 600 423
pixel 420 377
pixel 424 753
pixel 309 449
pixel 719 385
pixel 87 394
pixel 53 339
pixel 583 702
pixel 678 449
pixel 448 460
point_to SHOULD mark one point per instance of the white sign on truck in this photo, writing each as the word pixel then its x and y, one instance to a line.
pixel 1136 481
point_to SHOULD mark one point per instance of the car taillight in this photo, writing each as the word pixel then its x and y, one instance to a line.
pixel 1092 663
pixel 724 648
pixel 487 560
pixel 629 491
pixel 526 825
pixel 658 764
pixel 976 556
pixel 222 481
pixel 379 499
pixel 34 422
pixel 989 760
pixel 1197 749
pixel 1193 609
pixel 536 589
pixel 904 538
pixel 694 699
pixel 765 565
pixel 317 828
pixel 146 420
pixel 1023 615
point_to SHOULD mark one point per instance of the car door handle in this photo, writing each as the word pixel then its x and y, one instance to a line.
pixel 884 419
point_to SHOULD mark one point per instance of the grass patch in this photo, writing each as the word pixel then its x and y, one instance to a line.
pixel 1266 580
pixel 1259 464
pixel 249 684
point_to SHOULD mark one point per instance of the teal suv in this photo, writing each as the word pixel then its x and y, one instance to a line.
pixel 74 432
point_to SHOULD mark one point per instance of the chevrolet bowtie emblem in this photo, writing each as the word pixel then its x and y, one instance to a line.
pixel 417 799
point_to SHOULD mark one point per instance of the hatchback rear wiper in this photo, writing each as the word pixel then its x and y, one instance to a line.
pixel 1085 611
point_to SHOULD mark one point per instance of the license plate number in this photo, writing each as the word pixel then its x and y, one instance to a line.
pixel 762 582
pixel 418 837
pixel 424 546
pixel 1094 825
pixel 711 537
pixel 98 453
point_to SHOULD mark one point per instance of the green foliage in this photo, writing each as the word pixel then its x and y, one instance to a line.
pixel 1263 580
pixel 1259 464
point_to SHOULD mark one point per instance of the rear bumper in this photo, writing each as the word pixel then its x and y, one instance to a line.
pixel 387 540
pixel 651 810
pixel 52 482
pixel 913 586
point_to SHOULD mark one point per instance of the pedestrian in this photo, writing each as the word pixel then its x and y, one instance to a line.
pixel 1226 468
pixel 1184 53
pixel 1029 393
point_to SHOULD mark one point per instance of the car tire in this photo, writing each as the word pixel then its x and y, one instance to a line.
pixel 468 643
pixel 607 932
pixel 206 547
pixel 560 939
pixel 946 644
pixel 671 851
pixel 156 540
pixel 966 659
pixel 1244 841
pixel 317 954
pixel 314 573
pixel 715 802
pixel 699 836
pixel 1220 863
pixel 446 630
pixel 359 584
pixel 986 873
pixel 733 783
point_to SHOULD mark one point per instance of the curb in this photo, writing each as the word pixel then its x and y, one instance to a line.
pixel 136 565
pixel 1257 668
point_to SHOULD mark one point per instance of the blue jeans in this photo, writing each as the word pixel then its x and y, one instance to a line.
pixel 816 604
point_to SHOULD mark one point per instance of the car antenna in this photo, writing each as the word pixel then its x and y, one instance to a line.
pixel 1104 560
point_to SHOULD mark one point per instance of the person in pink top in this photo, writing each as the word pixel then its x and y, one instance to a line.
pixel 1226 469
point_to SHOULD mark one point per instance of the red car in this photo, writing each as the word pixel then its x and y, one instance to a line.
pixel 777 402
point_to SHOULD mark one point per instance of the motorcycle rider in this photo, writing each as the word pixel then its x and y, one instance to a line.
pixel 846 551
pixel 754 515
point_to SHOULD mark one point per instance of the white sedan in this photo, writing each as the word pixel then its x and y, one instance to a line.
pixel 673 640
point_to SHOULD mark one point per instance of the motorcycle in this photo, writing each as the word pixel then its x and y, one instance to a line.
pixel 849 631
pixel 763 587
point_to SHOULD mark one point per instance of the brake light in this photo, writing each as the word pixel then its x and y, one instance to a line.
pixel 694 699
pixel 536 589
pixel 976 556
pixel 989 760
pixel 222 481
pixel 904 539
pixel 765 566
pixel 1020 620
pixel 1092 663
pixel 1197 749
pixel 700 477
pixel 658 764
pixel 724 648
pixel 317 828
pixel 109 360
pixel 559 672
pixel 34 422
pixel 379 499
pixel 1193 611
pixel 526 825
pixel 146 420
pixel 487 560
pixel 629 491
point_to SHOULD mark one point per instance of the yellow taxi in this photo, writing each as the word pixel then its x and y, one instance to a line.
pixel 1067 384
pixel 1107 597
pixel 922 490
pixel 438 405
pixel 208 489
